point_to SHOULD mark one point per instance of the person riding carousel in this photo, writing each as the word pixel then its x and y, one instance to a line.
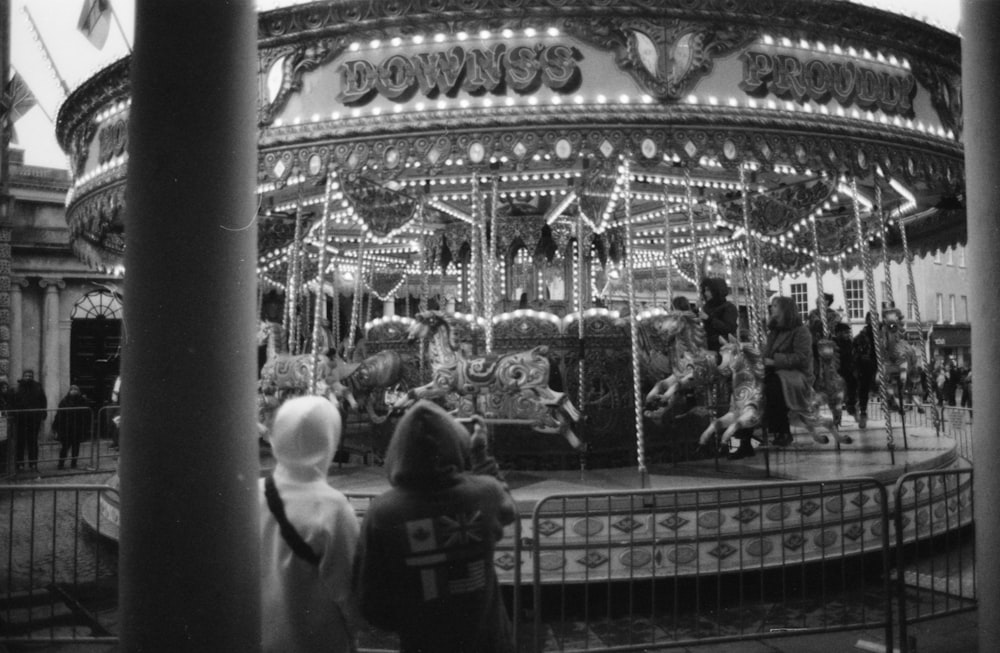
pixel 719 315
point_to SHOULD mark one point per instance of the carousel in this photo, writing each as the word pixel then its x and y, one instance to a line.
pixel 494 203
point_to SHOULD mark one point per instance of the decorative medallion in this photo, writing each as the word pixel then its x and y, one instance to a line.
pixel 588 527
pixel 759 548
pixel 711 520
pixel 682 555
pixel 778 512
pixel 835 505
pixel 635 558
pixel 551 561
pixel 825 539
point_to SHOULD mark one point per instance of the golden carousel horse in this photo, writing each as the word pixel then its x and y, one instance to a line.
pixel 745 366
pixel 694 365
pixel 523 375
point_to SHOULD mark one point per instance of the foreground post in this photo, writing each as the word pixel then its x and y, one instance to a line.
pixel 189 537
pixel 981 100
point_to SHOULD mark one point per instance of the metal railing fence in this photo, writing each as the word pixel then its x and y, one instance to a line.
pixel 613 571
pixel 59 581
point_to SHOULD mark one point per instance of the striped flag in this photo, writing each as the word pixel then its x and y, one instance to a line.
pixel 95 21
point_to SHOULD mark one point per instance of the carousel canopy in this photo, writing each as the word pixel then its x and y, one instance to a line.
pixel 783 134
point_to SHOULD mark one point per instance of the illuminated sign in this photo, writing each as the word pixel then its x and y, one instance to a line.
pixel 791 78
pixel 520 67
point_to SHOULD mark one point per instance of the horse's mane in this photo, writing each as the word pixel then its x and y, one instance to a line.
pixel 752 359
pixel 693 328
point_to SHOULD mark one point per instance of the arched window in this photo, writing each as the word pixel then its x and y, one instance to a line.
pixel 98 304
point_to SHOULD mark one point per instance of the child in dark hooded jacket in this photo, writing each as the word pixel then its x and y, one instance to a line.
pixel 426 554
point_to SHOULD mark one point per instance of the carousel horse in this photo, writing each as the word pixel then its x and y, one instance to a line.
pixel 829 384
pixel 361 384
pixel 743 363
pixel 523 374
pixel 902 361
pixel 694 365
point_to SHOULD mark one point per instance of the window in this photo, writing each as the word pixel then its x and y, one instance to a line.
pixel 961 257
pixel 965 308
pixel 854 298
pixel 951 256
pixel 937 258
pixel 800 294
pixel 940 308
pixel 951 308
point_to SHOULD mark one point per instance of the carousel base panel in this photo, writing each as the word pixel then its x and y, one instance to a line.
pixel 783 506
pixel 712 516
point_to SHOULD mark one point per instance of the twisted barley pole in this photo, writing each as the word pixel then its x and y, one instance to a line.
pixel 873 309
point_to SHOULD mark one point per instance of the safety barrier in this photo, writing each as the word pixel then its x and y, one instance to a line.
pixel 60 574
pixel 935 552
pixel 641 569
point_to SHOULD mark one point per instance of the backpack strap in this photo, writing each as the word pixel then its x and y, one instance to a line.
pixel 292 537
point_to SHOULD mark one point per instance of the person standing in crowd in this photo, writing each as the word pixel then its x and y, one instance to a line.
pixel 865 368
pixel 788 370
pixel 30 403
pixel 426 555
pixel 719 315
pixel 72 425
pixel 967 388
pixel 845 364
pixel 309 535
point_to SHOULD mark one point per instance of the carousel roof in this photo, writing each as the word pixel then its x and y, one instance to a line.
pixel 787 134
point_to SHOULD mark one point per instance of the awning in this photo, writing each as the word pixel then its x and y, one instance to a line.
pixel 951 335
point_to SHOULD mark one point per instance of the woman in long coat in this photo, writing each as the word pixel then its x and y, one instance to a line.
pixel 788 371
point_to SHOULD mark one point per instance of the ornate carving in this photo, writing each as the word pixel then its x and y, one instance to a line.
pixel 295 62
pixel 667 58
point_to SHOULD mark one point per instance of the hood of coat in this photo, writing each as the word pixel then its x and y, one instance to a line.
pixel 429 448
pixel 719 288
pixel 305 434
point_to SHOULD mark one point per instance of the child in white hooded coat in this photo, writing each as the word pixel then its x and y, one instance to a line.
pixel 307 599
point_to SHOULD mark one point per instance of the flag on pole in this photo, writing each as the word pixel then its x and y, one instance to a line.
pixel 19 101
pixel 95 21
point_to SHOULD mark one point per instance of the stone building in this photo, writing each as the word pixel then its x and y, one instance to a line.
pixel 65 316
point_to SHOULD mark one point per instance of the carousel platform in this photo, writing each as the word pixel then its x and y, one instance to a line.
pixel 783 506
